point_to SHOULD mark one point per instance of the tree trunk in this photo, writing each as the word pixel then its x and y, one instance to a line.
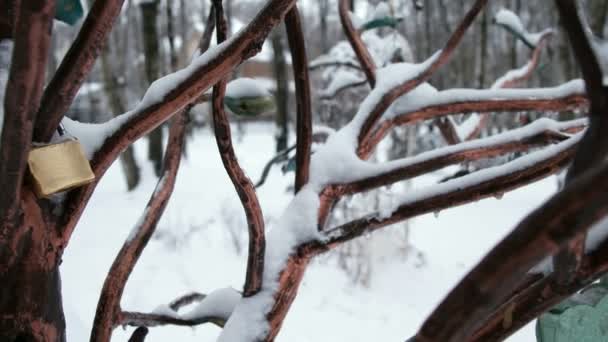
pixel 31 307
pixel 280 72
pixel 149 13
pixel 513 41
pixel 483 50
pixel 323 11
pixel 598 12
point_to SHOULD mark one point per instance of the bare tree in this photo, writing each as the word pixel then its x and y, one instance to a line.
pixel 35 231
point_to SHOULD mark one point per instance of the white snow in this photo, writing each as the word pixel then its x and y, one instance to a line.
pixel 246 87
pixel 6 51
pixel 92 135
pixel 507 18
pixel 510 19
pixel 381 49
pixel 165 310
pixel 192 251
pixel 341 79
pixel 596 235
pixel 219 303
pixel 297 225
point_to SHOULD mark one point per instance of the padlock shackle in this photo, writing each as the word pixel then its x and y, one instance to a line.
pixel 61 130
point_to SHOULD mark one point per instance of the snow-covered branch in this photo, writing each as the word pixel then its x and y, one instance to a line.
pixel 538 133
pixel 430 104
pixel 512 23
pixel 493 181
pixel 215 308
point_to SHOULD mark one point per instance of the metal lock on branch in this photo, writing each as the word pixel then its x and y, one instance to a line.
pixel 59 166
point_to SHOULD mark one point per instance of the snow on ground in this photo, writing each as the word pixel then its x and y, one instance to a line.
pixel 194 250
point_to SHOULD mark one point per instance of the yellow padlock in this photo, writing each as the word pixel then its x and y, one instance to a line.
pixel 59 167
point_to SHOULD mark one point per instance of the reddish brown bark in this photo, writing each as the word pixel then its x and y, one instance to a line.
pixel 449 158
pixel 297 46
pixel 365 59
pixel 242 184
pixel 30 294
pixel 33 27
pixel 108 316
pixel 572 101
pixel 448 131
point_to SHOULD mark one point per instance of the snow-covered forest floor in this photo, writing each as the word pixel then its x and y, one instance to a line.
pixel 194 250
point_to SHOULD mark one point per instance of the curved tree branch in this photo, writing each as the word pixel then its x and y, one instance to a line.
pixel 365 59
pixel 297 46
pixel 242 184
pixel 75 67
pixel 108 307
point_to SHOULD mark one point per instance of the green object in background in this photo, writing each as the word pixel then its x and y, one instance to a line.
pixel 381 22
pixel 69 11
pixel 290 166
pixel 581 318
pixel 250 106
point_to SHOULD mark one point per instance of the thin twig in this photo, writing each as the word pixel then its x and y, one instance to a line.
pixel 140 319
